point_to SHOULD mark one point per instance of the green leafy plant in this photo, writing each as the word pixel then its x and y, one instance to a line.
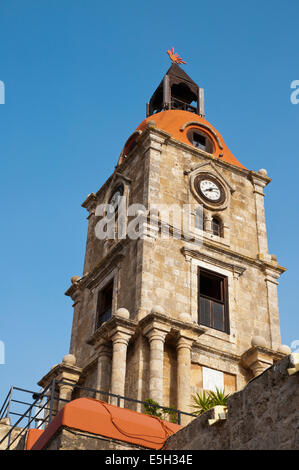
pixel 173 416
pixel 207 400
pixel 153 408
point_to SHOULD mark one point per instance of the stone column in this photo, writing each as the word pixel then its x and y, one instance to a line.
pixel 120 342
pixel 66 372
pixel 90 205
pixel 65 394
pixel 271 283
pixel 207 222
pixel 184 346
pixel 76 296
pixel 156 339
pixel 259 181
pixel 103 371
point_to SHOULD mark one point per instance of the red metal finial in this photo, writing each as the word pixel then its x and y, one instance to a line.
pixel 174 57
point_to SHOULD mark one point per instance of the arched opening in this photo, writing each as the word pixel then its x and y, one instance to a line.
pixel 200 140
pixel 183 98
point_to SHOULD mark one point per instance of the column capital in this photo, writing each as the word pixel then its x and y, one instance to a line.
pixel 90 203
pixel 257 359
pixel 75 290
pixel 121 336
pixel 156 334
pixel 156 330
pixel 272 274
pixel 184 342
pixel 259 180
pixel 102 348
pixel 65 371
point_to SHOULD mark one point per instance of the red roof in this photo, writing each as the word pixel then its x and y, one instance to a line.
pixel 177 123
pixel 98 417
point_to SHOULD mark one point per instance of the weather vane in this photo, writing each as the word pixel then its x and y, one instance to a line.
pixel 174 57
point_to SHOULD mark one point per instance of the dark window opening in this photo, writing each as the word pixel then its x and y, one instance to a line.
pixel 114 201
pixel 182 97
pixel 200 140
pixel 104 306
pixel 216 227
pixel 213 301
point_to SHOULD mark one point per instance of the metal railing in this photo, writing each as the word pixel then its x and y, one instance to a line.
pixel 47 404
pixel 182 105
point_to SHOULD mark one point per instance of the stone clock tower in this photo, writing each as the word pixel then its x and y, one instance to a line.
pixel 159 316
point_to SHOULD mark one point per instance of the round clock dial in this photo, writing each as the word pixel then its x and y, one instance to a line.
pixel 210 189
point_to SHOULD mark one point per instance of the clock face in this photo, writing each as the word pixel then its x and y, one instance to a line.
pixel 210 189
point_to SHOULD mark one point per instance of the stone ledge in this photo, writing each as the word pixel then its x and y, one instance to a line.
pixel 175 326
pixel 106 330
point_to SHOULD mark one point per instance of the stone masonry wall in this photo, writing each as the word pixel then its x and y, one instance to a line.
pixel 71 439
pixel 263 416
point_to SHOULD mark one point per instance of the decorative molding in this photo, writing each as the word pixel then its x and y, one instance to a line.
pixel 210 169
pixel 234 268
pixel 198 347
pixel 204 126
pixel 90 203
pixel 102 269
pixel 176 327
pixel 110 327
pixel 258 263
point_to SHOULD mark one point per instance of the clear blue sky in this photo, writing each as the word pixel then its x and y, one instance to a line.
pixel 77 76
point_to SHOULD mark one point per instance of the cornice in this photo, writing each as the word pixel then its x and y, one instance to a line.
pixel 258 263
pixel 56 371
pixel 90 201
pixel 108 328
pixel 89 280
pixel 218 352
pixel 235 268
pixel 175 325
pixel 261 350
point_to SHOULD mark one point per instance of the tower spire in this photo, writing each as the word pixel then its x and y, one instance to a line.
pixel 176 91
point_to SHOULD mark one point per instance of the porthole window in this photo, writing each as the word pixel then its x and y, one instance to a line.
pixel 200 140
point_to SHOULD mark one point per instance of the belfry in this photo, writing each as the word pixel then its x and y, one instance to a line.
pixel 163 317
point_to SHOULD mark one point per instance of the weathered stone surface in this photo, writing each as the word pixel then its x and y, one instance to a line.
pixel 159 275
pixel 263 416
pixel 17 438
pixel 71 439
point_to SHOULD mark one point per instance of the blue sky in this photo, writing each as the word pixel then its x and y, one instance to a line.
pixel 77 76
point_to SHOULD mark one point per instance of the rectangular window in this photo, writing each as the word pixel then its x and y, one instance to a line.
pixel 213 300
pixel 104 305
pixel 199 141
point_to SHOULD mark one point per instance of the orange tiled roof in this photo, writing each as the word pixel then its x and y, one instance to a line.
pixel 98 417
pixel 32 436
pixel 176 123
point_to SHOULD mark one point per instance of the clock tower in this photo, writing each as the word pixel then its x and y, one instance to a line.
pixel 166 309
